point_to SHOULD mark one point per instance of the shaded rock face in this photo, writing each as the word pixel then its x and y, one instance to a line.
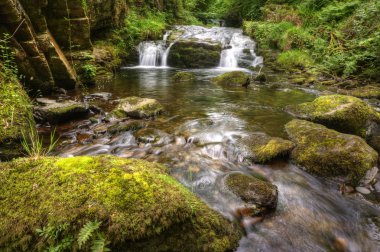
pixel 329 153
pixel 195 54
pixel 261 196
pixel 139 206
pixel 58 112
pixel 232 79
pixel 139 108
pixel 264 148
pixel 346 114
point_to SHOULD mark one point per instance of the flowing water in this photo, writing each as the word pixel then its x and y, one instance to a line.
pixel 198 138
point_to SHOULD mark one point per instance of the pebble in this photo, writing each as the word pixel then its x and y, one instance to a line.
pixel 362 190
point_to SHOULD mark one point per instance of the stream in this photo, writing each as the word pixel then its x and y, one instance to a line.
pixel 199 139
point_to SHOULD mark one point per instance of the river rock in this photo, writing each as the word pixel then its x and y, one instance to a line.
pixel 328 153
pixel 264 148
pixel 346 114
pixel 101 95
pixel 193 53
pixel 259 195
pixel 183 77
pixel 139 108
pixel 57 112
pixel 236 78
pixel 137 204
pixel 131 125
pixel 154 136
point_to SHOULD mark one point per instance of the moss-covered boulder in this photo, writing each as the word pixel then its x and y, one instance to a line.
pixel 236 78
pixel 57 112
pixel 259 195
pixel 264 148
pixel 346 114
pixel 328 153
pixel 139 108
pixel 137 205
pixel 183 77
pixel 130 125
pixel 16 116
pixel 195 53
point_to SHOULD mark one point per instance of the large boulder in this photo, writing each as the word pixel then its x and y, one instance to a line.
pixel 136 107
pixel 194 53
pixel 58 112
pixel 236 78
pixel 133 204
pixel 328 153
pixel 263 148
pixel 259 195
pixel 346 114
pixel 16 116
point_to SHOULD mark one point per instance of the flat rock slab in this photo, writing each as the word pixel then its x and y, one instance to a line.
pixel 57 112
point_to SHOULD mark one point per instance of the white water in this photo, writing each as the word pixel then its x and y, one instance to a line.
pixel 238 49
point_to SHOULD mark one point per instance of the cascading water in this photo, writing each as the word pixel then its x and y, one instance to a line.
pixel 239 50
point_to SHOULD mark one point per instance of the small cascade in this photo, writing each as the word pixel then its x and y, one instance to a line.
pixel 150 53
pixel 239 50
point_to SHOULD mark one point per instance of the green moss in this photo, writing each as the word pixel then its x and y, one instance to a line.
pixel 329 153
pixel 137 202
pixel 276 147
pixel 183 77
pixel 364 92
pixel 236 78
pixel 128 126
pixel 294 59
pixel 343 113
pixel 16 110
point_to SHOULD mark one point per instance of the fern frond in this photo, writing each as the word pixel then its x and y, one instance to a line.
pixel 87 231
pixel 100 244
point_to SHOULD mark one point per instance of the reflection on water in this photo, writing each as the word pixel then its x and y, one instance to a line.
pixel 197 138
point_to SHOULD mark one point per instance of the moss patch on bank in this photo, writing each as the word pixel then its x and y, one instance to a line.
pixel 139 205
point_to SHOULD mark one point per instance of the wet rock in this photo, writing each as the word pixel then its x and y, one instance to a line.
pixel 368 92
pixel 183 77
pixel 263 148
pixel 259 195
pixel 139 108
pixel 101 95
pixel 346 114
pixel 139 206
pixel 57 112
pixel 236 78
pixel 154 136
pixel 370 176
pixel 193 53
pixel 362 190
pixel 131 125
pixel 261 77
pixel 328 153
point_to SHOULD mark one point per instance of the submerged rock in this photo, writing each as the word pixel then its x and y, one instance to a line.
pixel 131 125
pixel 137 204
pixel 263 148
pixel 259 195
pixel 236 78
pixel 138 108
pixel 329 153
pixel 183 77
pixel 193 53
pixel 346 114
pixel 57 112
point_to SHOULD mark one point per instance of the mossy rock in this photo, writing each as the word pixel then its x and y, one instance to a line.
pixel 367 92
pixel 139 108
pixel 260 195
pixel 183 77
pixel 328 153
pixel 236 78
pixel 58 112
pixel 261 77
pixel 195 54
pixel 140 207
pixel 16 110
pixel 16 116
pixel 131 125
pixel 346 114
pixel 264 148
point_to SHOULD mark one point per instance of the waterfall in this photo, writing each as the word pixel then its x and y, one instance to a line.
pixel 239 50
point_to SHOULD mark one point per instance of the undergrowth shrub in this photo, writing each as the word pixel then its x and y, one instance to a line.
pixel 294 59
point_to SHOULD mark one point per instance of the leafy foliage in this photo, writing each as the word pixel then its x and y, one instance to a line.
pixel 87 232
